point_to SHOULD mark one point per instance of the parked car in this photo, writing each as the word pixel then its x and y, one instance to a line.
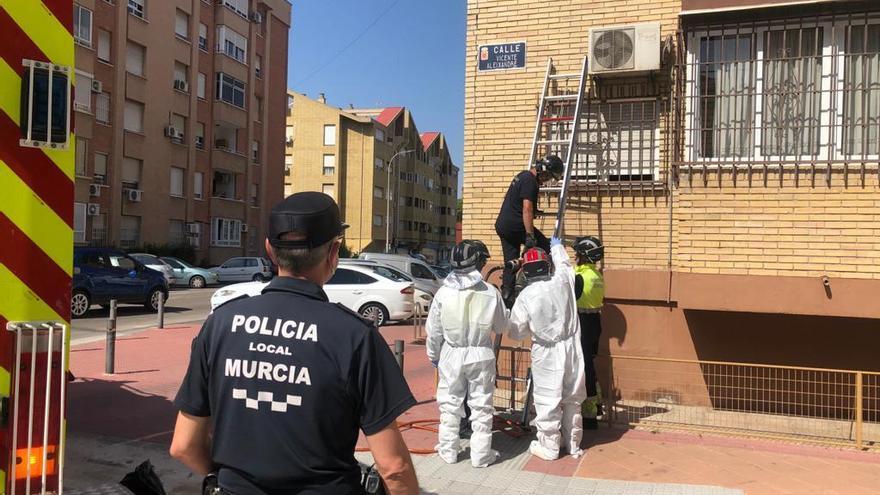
pixel 441 270
pixel 243 269
pixel 153 262
pixel 412 266
pixel 186 274
pixel 101 274
pixel 388 270
pixel 359 288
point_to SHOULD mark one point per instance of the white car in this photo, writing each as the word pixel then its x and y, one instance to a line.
pixel 363 289
pixel 153 262
pixel 244 268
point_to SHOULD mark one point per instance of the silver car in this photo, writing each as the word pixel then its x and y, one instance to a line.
pixel 244 269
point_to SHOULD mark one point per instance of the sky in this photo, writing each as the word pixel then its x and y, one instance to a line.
pixel 379 53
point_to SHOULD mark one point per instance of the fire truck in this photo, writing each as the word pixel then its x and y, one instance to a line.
pixel 36 240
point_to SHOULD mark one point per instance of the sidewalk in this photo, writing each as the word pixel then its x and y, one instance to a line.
pixel 116 422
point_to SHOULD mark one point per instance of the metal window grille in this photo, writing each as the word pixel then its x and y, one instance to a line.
pixel 793 94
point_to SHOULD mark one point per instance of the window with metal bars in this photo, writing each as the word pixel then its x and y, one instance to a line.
pixel 783 90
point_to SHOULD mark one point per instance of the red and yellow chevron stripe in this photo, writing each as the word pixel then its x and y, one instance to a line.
pixel 36 190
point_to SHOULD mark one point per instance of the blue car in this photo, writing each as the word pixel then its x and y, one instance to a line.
pixel 101 274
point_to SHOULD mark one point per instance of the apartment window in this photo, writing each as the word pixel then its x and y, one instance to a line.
pixel 200 85
pixel 102 108
pixel 328 190
pixel 378 220
pixel 104 45
pixel 79 222
pixel 239 6
pixel 862 93
pixel 100 175
pixel 82 25
pixel 180 76
pixel 176 232
pixel 81 150
pixel 99 230
pixel 378 192
pixel 255 194
pixel 329 135
pixel 230 90
pixel 133 120
pixel 83 92
pixel 258 66
pixel 137 8
pixel 223 185
pixel 329 164
pixel 198 185
pixel 226 232
pixel 200 135
pixel 178 122
pixel 203 37
pixel 259 114
pixel 176 187
pixel 631 131
pixel 380 134
pixel 255 151
pixel 379 163
pixel 131 173
pixel 231 43
pixel 129 231
pixel 134 58
pixel 181 24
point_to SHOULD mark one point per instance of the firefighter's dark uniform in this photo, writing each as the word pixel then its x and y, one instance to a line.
pixel 590 294
pixel 289 379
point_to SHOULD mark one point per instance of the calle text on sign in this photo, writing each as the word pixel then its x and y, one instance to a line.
pixel 502 56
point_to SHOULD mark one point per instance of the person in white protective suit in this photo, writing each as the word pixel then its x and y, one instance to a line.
pixel 546 309
pixel 463 316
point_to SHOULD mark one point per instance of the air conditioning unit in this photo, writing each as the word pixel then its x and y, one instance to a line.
pixel 94 190
pixel 181 85
pixel 170 131
pixel 244 227
pixel 257 17
pixel 193 228
pixel 97 86
pixel 200 141
pixel 93 209
pixel 623 50
pixel 133 195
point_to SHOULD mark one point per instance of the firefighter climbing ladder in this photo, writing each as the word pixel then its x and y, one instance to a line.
pixel 557 128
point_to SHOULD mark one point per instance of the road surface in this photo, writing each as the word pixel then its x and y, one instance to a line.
pixel 182 306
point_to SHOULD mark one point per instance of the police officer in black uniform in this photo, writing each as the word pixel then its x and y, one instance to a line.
pixel 279 385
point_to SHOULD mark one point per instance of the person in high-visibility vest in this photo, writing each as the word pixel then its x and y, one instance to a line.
pixel 589 289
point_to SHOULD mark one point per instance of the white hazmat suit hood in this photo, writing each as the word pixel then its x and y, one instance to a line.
pixel 463 315
pixel 547 310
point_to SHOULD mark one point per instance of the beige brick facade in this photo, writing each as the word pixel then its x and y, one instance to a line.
pixel 360 147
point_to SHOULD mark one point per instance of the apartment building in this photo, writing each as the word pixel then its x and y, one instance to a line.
pixel 179 112
pixel 735 184
pixel 362 157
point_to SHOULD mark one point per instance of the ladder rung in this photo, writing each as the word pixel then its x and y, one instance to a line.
pixel 565 76
pixel 557 119
pixel 560 97
pixel 556 189
pixel 554 141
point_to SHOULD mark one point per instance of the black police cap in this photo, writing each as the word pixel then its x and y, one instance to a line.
pixel 314 214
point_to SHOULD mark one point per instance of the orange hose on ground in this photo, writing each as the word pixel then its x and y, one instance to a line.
pixel 505 426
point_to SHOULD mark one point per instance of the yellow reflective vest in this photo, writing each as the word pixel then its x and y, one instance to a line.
pixel 594 287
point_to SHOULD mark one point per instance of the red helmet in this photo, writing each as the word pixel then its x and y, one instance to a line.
pixel 536 264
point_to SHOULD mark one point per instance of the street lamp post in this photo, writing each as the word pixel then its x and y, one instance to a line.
pixel 388 199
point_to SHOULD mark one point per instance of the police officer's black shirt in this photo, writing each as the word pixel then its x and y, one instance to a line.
pixel 288 380
pixel 523 186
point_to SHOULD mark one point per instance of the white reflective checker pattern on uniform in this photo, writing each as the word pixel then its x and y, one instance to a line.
pixel 268 398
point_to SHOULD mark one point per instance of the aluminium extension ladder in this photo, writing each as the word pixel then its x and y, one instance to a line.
pixel 557 128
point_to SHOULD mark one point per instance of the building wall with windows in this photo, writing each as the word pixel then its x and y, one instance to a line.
pixel 725 186
pixel 347 153
pixel 178 113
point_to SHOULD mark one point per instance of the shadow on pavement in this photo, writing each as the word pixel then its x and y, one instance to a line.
pixel 114 408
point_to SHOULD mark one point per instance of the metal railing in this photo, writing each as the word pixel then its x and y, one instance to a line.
pixel 809 405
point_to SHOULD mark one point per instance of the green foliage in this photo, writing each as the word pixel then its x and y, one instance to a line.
pixel 181 251
pixel 346 252
pixel 458 209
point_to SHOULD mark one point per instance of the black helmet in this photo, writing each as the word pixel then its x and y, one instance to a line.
pixel 589 247
pixel 552 165
pixel 469 254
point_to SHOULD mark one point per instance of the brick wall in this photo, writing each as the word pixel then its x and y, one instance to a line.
pixel 798 227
